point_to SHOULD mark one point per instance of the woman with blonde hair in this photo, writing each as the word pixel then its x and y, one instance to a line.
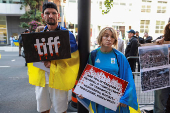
pixel 107 58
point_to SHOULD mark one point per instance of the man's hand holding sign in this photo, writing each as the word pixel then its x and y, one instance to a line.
pixel 47 64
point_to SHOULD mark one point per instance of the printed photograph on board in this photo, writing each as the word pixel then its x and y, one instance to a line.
pixel 153 57
pixel 169 52
pixel 155 79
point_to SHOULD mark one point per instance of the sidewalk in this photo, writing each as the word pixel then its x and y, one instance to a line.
pixel 10 49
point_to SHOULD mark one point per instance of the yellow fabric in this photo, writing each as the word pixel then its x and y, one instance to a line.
pixel 90 108
pixel 133 110
pixel 36 75
pixel 16 43
pixel 63 73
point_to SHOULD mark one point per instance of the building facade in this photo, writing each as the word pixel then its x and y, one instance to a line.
pixel 10 20
pixel 141 15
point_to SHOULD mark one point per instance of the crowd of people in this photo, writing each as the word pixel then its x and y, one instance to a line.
pixel 51 87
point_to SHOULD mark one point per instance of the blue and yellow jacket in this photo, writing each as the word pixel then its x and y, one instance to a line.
pixel 129 98
pixel 63 73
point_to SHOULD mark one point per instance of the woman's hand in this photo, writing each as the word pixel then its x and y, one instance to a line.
pixel 122 105
pixel 47 64
pixel 160 41
pixel 80 96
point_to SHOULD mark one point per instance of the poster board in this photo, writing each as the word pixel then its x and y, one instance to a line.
pixel 46 46
pixel 154 66
pixel 101 87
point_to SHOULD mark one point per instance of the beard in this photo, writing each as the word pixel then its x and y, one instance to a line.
pixel 51 23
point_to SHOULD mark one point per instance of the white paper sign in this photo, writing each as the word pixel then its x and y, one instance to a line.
pixel 101 87
pixel 41 66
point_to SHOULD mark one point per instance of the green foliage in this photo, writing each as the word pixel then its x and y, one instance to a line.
pixel 33 14
pixel 108 4
pixel 24 25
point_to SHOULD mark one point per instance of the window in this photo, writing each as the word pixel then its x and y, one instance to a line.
pixel 116 2
pixel 119 2
pixel 144 26
pixel 122 3
pixel 122 29
pixel 159 26
pixel 146 8
pixel 3 30
pixel 12 1
pixel 149 1
pixel 73 1
pixel 163 2
pixel 161 8
pixel 100 4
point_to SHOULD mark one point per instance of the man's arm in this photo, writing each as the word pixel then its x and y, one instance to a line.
pixel 134 48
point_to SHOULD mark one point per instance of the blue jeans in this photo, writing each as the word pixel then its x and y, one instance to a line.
pixel 161 98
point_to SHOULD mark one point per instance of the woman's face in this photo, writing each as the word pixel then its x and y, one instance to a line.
pixel 108 39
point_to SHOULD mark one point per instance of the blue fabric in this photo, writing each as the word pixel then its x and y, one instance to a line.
pixel 73 44
pixel 107 62
pixel 129 98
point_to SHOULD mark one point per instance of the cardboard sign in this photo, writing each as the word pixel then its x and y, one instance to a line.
pixel 101 87
pixel 154 67
pixel 46 46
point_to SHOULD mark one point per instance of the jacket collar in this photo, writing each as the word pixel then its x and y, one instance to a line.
pixel 46 28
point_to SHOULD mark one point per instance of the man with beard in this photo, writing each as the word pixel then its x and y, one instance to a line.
pixel 52 88
pixel 148 39
pixel 140 39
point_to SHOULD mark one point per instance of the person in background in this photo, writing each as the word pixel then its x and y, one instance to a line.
pixel 77 39
pixel 132 49
pixel 11 40
pixel 140 39
pixel 120 43
pixel 21 42
pixel 161 103
pixel 102 58
pixel 51 88
pixel 148 39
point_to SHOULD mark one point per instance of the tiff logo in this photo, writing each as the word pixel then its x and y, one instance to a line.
pixel 52 46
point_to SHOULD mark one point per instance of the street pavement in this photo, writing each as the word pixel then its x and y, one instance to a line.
pixel 16 94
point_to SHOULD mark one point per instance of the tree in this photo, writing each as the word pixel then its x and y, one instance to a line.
pixel 34 14
pixel 108 4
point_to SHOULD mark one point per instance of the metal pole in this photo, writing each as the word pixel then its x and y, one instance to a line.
pixel 62 14
pixel 84 15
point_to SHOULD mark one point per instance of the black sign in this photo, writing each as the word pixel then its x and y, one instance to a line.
pixel 46 46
